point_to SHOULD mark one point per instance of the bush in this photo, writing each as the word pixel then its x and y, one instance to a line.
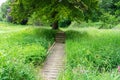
pixel 109 21
pixel 64 23
pixel 34 54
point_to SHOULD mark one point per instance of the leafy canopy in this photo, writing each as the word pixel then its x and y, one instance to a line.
pixel 52 10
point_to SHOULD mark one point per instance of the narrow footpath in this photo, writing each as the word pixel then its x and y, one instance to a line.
pixel 55 60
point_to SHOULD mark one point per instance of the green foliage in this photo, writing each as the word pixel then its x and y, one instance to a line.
pixel 12 70
pixel 64 23
pixel 92 54
pixel 35 54
pixel 117 12
pixel 52 10
pixel 20 51
pixel 19 14
pixel 35 20
pixel 85 25
pixel 109 21
pixel 3 11
pixel 106 5
pixel 107 8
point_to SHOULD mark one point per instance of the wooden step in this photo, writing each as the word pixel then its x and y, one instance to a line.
pixel 60 37
pixel 60 34
pixel 60 41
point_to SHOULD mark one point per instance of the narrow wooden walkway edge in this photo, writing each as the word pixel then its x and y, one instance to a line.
pixel 54 62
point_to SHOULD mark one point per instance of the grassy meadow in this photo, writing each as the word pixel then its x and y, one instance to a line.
pixel 22 48
pixel 92 54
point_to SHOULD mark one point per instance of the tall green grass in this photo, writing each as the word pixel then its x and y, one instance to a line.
pixel 92 54
pixel 9 27
pixel 21 51
pixel 86 24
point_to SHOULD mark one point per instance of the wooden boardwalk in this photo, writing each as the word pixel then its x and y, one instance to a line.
pixel 55 61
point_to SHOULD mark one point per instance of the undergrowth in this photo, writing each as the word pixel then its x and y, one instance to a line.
pixel 92 54
pixel 21 51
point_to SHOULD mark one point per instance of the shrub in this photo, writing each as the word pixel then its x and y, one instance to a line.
pixel 109 21
pixel 64 23
pixel 35 54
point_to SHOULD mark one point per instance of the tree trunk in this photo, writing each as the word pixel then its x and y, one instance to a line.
pixel 55 25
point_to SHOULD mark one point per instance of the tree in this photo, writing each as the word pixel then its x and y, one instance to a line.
pixel 3 10
pixel 109 6
pixel 109 13
pixel 118 9
pixel 53 11
pixel 117 12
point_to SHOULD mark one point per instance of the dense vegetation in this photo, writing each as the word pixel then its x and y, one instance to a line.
pixel 21 51
pixel 92 54
pixel 52 11
pixel 42 13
